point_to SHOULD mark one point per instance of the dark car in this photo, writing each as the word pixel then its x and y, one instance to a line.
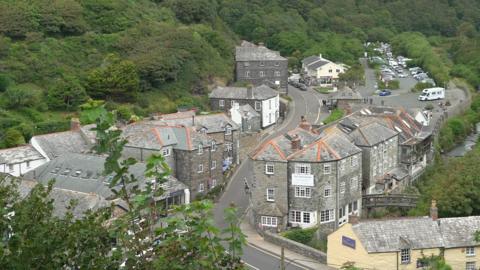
pixel 385 92
pixel 302 87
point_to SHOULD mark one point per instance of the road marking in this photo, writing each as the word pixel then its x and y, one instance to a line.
pixel 319 109
pixel 292 262
pixel 251 266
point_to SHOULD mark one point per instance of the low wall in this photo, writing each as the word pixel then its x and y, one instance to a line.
pixel 295 246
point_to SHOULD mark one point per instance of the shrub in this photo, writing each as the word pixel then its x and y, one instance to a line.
pixel 52 126
pixel 420 86
pixel 303 236
pixel 13 138
pixel 18 97
pixel 334 116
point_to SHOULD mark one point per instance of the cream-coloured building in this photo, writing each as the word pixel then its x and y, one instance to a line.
pixel 402 243
pixel 323 71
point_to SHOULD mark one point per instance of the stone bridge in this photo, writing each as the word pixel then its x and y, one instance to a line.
pixel 381 200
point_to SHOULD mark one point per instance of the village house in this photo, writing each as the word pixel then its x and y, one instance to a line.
pixel 246 117
pixel 20 160
pixel 83 173
pixel 263 99
pixel 302 179
pixel 405 243
pixel 258 65
pixel 321 71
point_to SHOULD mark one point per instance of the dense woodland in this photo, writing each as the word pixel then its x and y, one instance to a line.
pixel 147 56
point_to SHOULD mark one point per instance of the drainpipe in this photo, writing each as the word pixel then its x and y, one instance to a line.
pixel 337 199
pixel 397 261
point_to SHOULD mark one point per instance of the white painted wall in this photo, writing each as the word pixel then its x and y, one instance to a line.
pixel 19 169
pixel 323 70
pixel 235 114
pixel 270 109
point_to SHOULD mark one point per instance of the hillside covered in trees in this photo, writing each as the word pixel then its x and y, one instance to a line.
pixel 147 56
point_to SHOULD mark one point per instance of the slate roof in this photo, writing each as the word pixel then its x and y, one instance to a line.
pixel 394 234
pixel 19 154
pixel 84 173
pixel 62 199
pixel 280 147
pixel 459 231
pixel 332 145
pixel 261 92
pixel 59 143
pixel 248 112
pixel 315 61
pixel 250 52
pixel 318 64
pixel 211 122
pixel 371 134
pixel 310 59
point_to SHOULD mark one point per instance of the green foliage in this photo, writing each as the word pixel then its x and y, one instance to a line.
pixel 334 116
pixel 303 236
pixel 16 97
pixel 393 85
pixel 355 75
pixel 420 86
pixel 66 94
pixel 116 80
pixel 12 138
pixel 194 11
pixel 5 82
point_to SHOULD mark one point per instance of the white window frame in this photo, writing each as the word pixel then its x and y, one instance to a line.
pixel 200 168
pixel 262 73
pixel 200 149
pixel 327 216
pixel 329 189
pixel 214 165
pixel 270 194
pixel 354 161
pixel 405 256
pixel 228 130
pixel 304 215
pixel 470 251
pixel 166 152
pixel 213 146
pixel 303 168
pixel 277 73
pixel 258 106
pixel 214 183
pixel 341 187
pixel 327 169
pixel 268 221
pixel 221 103
pixel 295 216
pixel 269 168
pixel 303 192
pixel 470 266
pixel 354 183
pixel 228 146
pixel 201 187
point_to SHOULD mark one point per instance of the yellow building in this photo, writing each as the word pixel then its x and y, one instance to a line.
pixel 402 243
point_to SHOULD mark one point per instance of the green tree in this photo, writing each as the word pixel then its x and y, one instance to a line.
pixel 12 138
pixel 195 11
pixel 66 94
pixel 16 97
pixel 4 82
pixel 116 79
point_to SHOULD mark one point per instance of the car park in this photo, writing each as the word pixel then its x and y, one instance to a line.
pixel 385 92
pixel 402 75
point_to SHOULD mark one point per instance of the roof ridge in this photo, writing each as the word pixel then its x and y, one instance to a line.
pixel 158 136
pixel 282 155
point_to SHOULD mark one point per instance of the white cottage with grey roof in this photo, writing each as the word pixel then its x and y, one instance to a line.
pixel 322 71
pixel 19 160
pixel 265 100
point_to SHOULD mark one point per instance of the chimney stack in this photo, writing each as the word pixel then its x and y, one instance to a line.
pixel 75 124
pixel 249 91
pixel 296 142
pixel 434 210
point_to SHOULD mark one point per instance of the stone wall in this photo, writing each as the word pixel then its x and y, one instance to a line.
pixel 268 67
pixel 295 247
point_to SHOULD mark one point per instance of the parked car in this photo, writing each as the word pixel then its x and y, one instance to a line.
pixel 385 92
pixel 302 87
pixel 402 75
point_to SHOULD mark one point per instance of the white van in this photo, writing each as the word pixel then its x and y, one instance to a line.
pixel 432 94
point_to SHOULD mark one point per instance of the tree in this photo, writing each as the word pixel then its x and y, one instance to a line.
pixel 355 75
pixel 13 138
pixel 66 94
pixel 17 97
pixel 4 82
pixel 195 11
pixel 116 79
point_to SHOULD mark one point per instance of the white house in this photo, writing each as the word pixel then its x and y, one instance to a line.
pixel 19 160
pixel 321 70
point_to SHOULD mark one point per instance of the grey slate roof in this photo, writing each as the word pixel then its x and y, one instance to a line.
pixel 19 154
pixel 57 144
pixel 371 134
pixel 251 52
pixel 261 92
pixel 84 173
pixel 317 64
pixel 394 234
pixel 310 59
pixel 211 122
pixel 459 231
pixel 248 112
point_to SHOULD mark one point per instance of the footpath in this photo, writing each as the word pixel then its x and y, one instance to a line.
pixel 256 241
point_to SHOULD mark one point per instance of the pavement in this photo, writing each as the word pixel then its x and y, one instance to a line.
pixel 291 258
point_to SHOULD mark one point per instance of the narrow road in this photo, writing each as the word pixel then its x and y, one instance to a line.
pixel 305 103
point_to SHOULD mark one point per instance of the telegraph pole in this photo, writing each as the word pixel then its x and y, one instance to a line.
pixel 282 259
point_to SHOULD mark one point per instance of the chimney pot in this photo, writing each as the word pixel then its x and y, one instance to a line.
pixel 434 211
pixel 75 124
pixel 304 124
pixel 296 142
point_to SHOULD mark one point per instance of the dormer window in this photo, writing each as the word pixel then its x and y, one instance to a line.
pixel 228 130
pixel 200 149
